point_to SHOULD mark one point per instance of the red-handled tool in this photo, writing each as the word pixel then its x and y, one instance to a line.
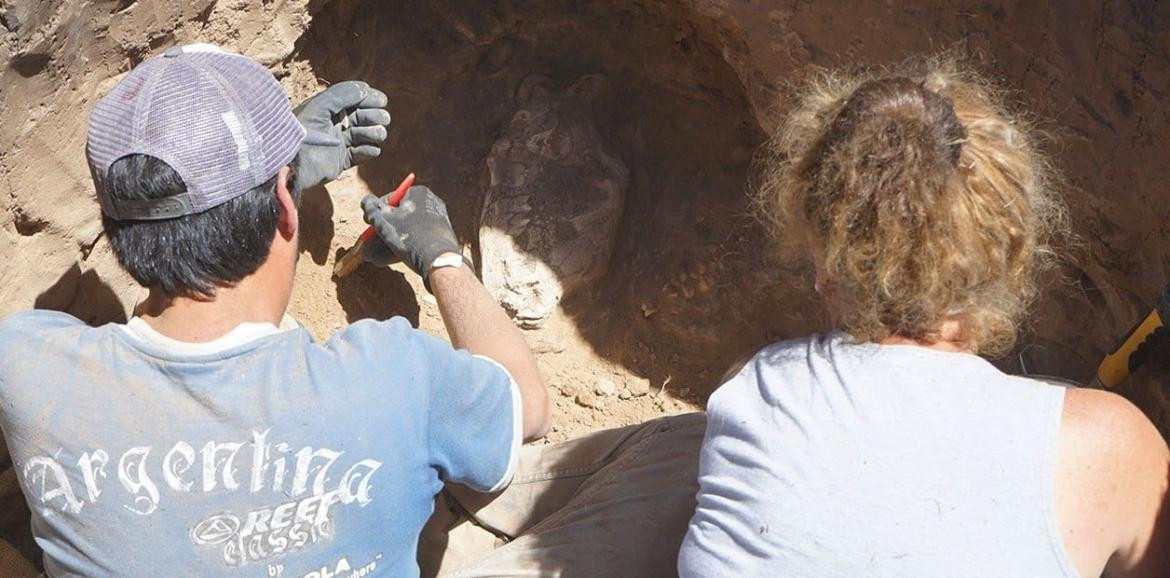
pixel 353 257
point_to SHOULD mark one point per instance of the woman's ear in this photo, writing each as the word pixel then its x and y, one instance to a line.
pixel 289 218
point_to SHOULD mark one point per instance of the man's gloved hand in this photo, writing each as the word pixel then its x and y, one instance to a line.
pixel 346 124
pixel 417 231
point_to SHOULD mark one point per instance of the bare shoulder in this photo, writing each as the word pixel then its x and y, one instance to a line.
pixel 1108 419
pixel 1111 480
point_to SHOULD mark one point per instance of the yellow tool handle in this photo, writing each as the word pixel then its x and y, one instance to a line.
pixel 1116 365
pixel 1143 340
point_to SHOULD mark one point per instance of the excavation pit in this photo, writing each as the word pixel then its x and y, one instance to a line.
pixel 610 146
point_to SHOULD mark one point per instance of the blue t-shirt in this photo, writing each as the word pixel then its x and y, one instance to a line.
pixel 277 456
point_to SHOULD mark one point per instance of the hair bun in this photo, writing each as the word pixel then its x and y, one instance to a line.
pixel 923 118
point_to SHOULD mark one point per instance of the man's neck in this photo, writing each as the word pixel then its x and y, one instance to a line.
pixel 199 320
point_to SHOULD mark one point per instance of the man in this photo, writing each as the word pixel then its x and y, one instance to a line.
pixel 208 437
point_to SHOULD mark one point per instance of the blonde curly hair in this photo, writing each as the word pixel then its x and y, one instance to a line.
pixel 921 197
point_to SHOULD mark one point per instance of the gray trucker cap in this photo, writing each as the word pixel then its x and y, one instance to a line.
pixel 220 120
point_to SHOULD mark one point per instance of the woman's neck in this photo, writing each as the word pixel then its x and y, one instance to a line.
pixel 948 346
pixel 950 338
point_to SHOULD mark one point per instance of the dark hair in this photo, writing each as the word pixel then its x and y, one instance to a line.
pixel 190 255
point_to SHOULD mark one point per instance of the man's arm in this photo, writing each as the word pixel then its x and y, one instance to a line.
pixel 478 324
pixel 419 232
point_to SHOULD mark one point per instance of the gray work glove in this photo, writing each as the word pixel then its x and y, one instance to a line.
pixel 417 231
pixel 346 124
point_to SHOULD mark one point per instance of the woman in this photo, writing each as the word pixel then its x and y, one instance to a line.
pixel 889 447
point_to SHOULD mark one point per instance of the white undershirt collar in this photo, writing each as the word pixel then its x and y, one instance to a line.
pixel 140 331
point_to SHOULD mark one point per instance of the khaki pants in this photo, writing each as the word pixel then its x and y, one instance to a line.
pixel 611 503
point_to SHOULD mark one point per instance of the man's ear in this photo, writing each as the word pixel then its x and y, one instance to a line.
pixel 289 218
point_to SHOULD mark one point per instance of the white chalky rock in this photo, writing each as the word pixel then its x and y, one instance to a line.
pixel 605 387
pixel 552 209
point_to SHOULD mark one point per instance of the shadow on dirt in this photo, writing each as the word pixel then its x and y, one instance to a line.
pixel 83 295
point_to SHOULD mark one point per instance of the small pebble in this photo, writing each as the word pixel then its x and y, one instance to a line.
pixel 587 399
pixel 547 346
pixel 638 386
pixel 605 387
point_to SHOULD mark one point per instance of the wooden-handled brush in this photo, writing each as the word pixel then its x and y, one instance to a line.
pixel 353 257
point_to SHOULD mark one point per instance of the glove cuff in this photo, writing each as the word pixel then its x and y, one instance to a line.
pixel 446 260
